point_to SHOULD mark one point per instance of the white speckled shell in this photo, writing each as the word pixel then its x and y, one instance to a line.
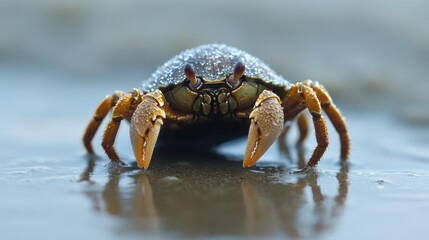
pixel 211 62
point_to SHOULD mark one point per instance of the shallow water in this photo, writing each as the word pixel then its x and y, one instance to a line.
pixel 51 189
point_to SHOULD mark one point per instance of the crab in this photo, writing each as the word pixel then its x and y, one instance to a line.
pixel 217 83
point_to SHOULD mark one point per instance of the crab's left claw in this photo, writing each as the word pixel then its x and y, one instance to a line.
pixel 267 121
pixel 145 124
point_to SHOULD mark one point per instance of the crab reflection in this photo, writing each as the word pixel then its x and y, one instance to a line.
pixel 205 195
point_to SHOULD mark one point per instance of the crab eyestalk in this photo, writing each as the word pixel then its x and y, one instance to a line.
pixel 234 79
pixel 194 82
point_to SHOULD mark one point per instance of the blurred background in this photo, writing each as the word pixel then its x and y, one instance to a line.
pixel 58 59
pixel 372 48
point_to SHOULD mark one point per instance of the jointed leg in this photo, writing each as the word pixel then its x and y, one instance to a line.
pixel 100 113
pixel 299 97
pixel 120 111
pixel 303 131
pixel 334 115
pixel 322 139
pixel 303 128
pixel 282 141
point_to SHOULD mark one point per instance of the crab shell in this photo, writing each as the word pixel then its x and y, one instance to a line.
pixel 211 62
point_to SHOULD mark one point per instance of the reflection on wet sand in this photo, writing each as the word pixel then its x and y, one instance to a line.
pixel 207 195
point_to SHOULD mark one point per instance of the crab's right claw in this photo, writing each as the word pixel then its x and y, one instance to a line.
pixel 145 126
pixel 267 121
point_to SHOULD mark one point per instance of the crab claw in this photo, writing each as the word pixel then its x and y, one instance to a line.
pixel 145 124
pixel 267 121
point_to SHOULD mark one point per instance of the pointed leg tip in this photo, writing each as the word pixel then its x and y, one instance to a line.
pixel 88 147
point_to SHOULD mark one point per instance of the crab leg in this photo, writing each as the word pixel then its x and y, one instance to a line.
pixel 119 112
pixel 334 115
pixel 100 113
pixel 266 125
pixel 303 130
pixel 319 122
pixel 299 97
pixel 145 126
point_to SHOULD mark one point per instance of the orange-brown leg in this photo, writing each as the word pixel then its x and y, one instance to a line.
pixel 303 128
pixel 120 111
pixel 319 122
pixel 334 115
pixel 303 131
pixel 283 146
pixel 100 113
pixel 301 95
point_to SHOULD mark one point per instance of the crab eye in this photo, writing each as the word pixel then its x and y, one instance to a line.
pixel 195 86
pixel 194 82
pixel 234 80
